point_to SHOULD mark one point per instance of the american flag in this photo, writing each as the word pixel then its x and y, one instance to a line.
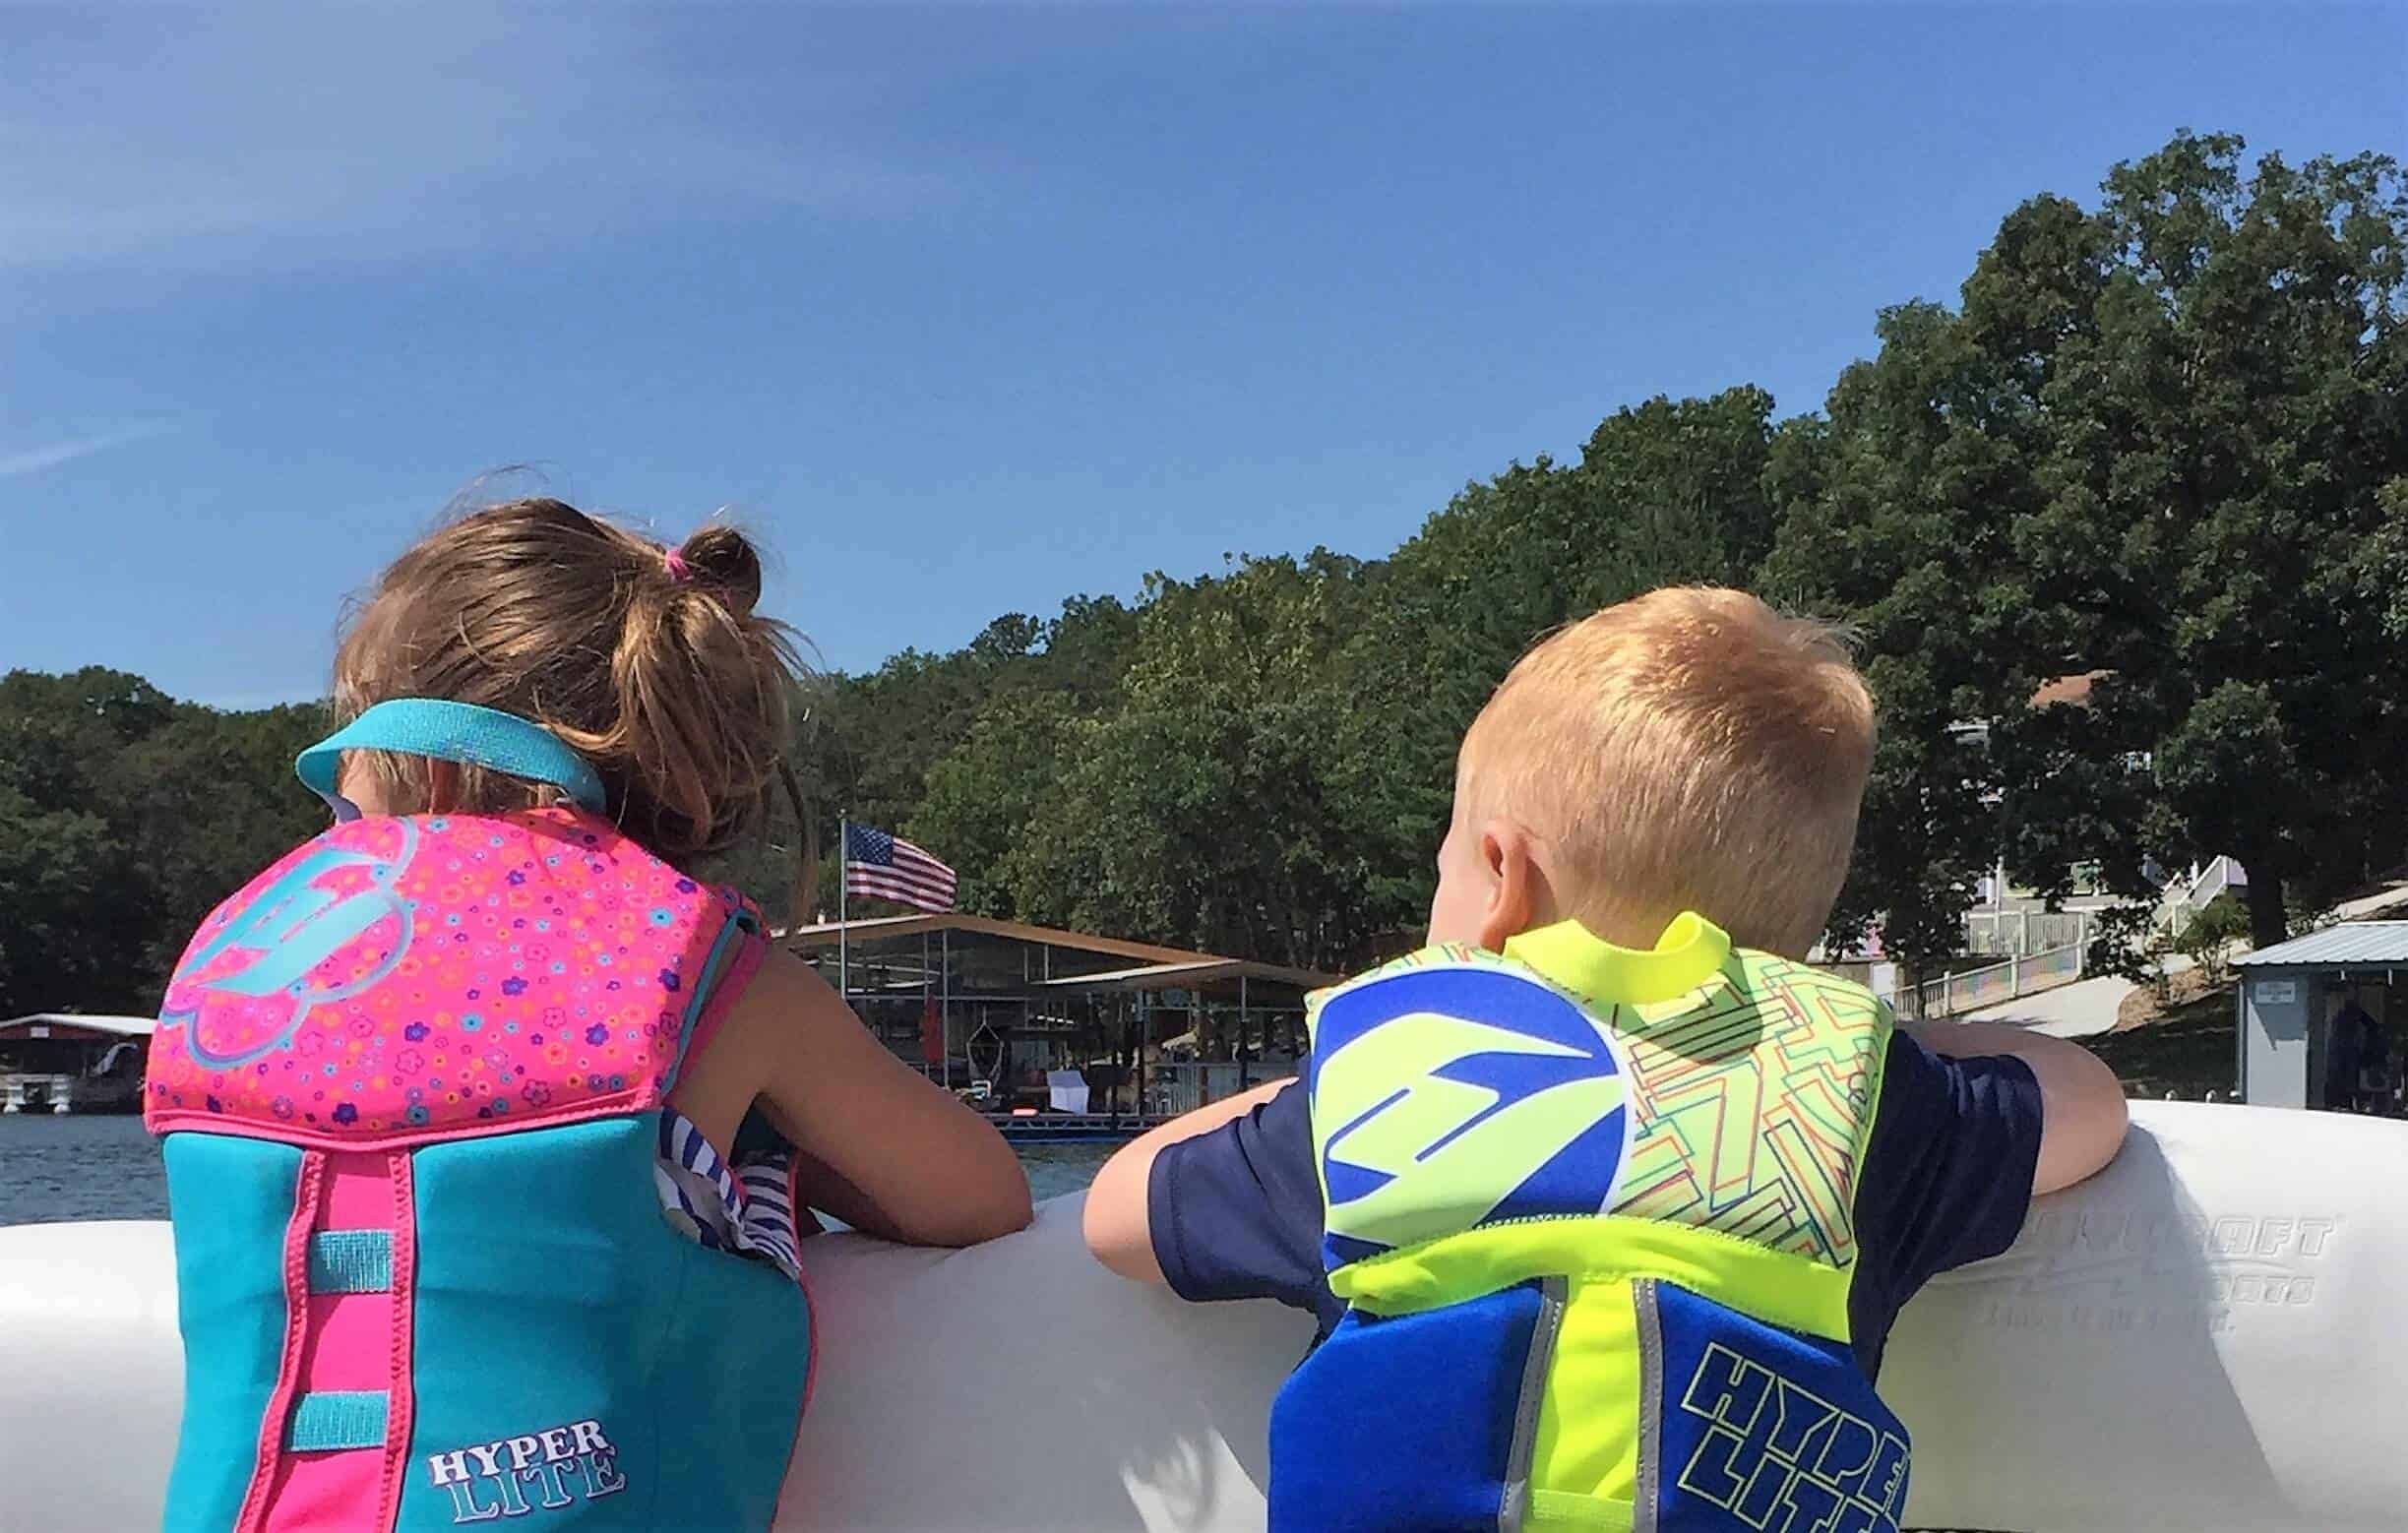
pixel 890 868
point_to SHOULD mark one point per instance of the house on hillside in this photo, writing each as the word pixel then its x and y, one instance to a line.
pixel 2181 894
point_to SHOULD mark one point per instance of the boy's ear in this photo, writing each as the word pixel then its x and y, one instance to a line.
pixel 1519 897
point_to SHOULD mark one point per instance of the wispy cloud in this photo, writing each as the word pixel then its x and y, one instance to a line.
pixel 36 460
pixel 279 136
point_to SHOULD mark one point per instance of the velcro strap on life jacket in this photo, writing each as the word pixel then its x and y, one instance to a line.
pixel 350 1261
pixel 329 1420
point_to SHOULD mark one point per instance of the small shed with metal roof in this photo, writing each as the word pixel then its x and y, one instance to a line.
pixel 2315 1023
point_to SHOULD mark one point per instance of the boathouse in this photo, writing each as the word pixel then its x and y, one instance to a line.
pixel 59 1062
pixel 2315 1020
pixel 1080 1034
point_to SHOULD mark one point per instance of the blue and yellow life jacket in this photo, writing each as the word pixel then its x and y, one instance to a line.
pixel 1591 1211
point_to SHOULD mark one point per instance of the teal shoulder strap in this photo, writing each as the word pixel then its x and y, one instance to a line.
pixel 459 732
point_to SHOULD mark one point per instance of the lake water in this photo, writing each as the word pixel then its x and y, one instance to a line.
pixel 102 1167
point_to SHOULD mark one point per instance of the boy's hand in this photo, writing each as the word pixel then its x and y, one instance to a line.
pixel 1118 1223
pixel 2082 1112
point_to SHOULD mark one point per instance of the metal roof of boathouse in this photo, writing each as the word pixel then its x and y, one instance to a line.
pixel 2352 942
pixel 36 1024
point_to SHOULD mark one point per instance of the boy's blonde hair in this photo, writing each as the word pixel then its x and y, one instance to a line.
pixel 1691 749
pixel 650 660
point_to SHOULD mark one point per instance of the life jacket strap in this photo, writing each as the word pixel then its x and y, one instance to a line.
pixel 330 1421
pixel 350 1261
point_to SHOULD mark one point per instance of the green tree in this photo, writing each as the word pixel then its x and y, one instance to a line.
pixel 1898 519
pixel 2215 371
pixel 2158 444
pixel 1665 492
pixel 986 796
pixel 78 930
pixel 1197 810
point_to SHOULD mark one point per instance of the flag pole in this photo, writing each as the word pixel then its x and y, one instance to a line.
pixel 844 853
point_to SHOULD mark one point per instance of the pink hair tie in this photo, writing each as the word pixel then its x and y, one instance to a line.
pixel 676 564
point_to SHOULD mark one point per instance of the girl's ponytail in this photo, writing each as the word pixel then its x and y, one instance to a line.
pixel 702 688
pixel 648 660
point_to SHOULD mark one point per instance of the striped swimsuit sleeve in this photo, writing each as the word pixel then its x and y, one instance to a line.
pixel 747 1211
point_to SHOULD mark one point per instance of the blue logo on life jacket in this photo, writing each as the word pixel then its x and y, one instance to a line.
pixel 1451 1097
pixel 297 926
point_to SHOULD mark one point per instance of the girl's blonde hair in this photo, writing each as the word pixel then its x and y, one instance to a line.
pixel 650 660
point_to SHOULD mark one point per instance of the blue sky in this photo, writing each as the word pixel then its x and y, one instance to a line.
pixel 965 310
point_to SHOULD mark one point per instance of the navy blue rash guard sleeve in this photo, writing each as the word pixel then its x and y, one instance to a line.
pixel 1946 1179
pixel 1235 1213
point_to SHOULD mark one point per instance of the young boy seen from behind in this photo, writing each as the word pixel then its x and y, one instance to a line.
pixel 1604 1200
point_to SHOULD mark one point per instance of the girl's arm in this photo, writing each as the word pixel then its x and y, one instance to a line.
pixel 879 1147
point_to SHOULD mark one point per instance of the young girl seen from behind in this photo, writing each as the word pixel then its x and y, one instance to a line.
pixel 451 1092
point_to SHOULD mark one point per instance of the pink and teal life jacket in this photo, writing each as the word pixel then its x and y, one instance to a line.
pixel 410 1081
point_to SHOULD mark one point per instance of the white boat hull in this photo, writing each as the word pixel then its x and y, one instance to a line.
pixel 2207 1337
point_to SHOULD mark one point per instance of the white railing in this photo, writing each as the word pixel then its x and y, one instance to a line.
pixel 1970 990
pixel 2186 897
pixel 2025 933
pixel 1184 1087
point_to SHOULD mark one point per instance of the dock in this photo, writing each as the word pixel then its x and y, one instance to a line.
pixel 1073 1128
pixel 66 1062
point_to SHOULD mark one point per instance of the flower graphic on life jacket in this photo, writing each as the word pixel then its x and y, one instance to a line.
pixel 669 980
pixel 345 1113
pixel 537 1092
pixel 597 1035
pixel 408 1063
pixel 282 1107
pixel 360 1026
pixel 513 986
pixel 415 1032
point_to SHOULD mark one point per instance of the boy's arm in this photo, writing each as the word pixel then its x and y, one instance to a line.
pixel 2082 1111
pixel 1118 1220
